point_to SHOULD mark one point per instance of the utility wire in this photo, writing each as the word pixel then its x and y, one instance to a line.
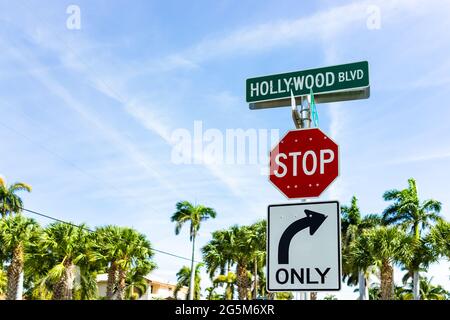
pixel 120 99
pixel 90 230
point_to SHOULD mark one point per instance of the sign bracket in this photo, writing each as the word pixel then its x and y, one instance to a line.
pixel 302 117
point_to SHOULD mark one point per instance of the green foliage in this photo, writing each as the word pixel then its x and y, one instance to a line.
pixel 243 247
pixel 17 230
pixel 439 238
pixel 380 244
pixel 374 293
pixel 64 245
pixel 284 296
pixel 3 283
pixel 130 251
pixel 192 214
pixel 414 237
pixel 125 246
pixel 428 291
pixel 136 283
pixel 10 202
pixel 408 211
pixel 17 235
pixel 212 295
pixel 183 280
pixel 86 289
pixel 352 225
pixel 229 281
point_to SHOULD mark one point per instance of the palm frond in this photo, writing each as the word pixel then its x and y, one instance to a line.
pixel 20 186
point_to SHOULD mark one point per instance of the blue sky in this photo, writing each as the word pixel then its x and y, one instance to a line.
pixel 87 115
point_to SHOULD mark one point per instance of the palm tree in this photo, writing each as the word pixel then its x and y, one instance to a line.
pixel 352 225
pixel 136 251
pixel 229 280
pixel 10 202
pixel 217 254
pixel 122 249
pixel 65 246
pixel 239 246
pixel 3 282
pixel 16 232
pixel 410 213
pixel 374 292
pixel 212 295
pixel 257 245
pixel 425 252
pixel 183 280
pixel 136 283
pixel 439 236
pixel 37 284
pixel 381 246
pixel 86 288
pixel 284 296
pixel 88 269
pixel 242 254
pixel 262 285
pixel 107 238
pixel 193 214
pixel 428 291
pixel 136 287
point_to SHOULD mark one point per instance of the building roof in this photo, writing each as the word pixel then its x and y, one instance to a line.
pixel 150 278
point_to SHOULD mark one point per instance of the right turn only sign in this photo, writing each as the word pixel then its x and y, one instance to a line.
pixel 304 247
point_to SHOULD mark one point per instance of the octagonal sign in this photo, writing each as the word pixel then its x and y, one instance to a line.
pixel 304 163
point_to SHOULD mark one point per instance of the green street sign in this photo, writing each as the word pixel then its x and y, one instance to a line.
pixel 330 84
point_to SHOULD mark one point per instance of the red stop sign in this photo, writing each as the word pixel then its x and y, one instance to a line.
pixel 304 163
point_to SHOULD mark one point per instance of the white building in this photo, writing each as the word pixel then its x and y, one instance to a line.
pixel 157 288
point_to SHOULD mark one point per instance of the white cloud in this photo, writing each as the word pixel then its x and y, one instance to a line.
pixel 439 155
pixel 278 34
pixel 128 148
pixel 321 26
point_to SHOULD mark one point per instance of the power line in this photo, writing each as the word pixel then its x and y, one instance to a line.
pixel 90 230
pixel 122 100
pixel 56 219
pixel 87 174
pixel 67 162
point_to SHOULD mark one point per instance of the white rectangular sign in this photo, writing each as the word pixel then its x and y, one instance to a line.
pixel 304 247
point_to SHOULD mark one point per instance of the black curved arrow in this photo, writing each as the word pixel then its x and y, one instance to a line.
pixel 313 220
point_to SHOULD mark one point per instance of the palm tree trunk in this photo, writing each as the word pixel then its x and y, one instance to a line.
pixel 229 292
pixel 58 289
pixel 416 286
pixel 387 281
pixel 255 292
pixel 121 285
pixel 416 294
pixel 70 282
pixel 111 281
pixel 362 285
pixel 366 289
pixel 19 295
pixel 242 282
pixel 15 270
pixel 63 289
pixel 192 280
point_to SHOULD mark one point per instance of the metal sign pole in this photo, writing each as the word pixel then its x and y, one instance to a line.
pixel 302 120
